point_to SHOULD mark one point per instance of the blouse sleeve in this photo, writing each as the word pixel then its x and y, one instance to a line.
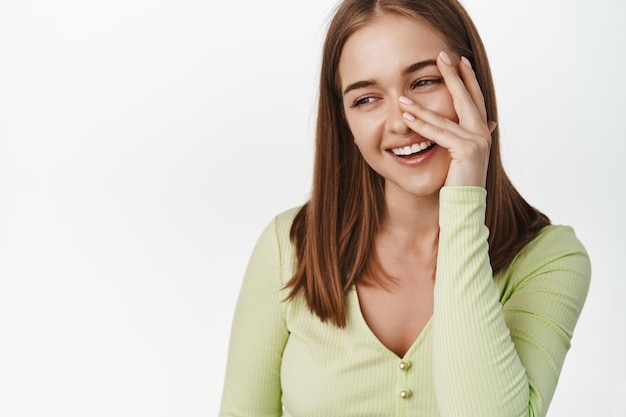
pixel 258 336
pixel 500 354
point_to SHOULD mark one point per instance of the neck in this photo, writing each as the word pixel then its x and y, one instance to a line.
pixel 411 223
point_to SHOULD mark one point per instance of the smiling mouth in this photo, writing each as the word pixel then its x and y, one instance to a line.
pixel 413 150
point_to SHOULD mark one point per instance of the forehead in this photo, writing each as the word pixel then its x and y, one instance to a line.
pixel 388 43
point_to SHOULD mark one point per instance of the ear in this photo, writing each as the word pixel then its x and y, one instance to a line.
pixel 491 125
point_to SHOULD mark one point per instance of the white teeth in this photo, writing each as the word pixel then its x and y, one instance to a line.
pixel 408 150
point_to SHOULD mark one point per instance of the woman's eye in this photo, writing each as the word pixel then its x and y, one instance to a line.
pixel 363 101
pixel 424 82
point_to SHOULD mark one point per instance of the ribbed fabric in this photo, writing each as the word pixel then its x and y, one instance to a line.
pixel 494 346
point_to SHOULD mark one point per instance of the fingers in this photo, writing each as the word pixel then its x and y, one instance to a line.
pixel 429 120
pixel 468 102
pixel 437 128
pixel 465 91
pixel 471 83
pixel 468 141
pixel 469 151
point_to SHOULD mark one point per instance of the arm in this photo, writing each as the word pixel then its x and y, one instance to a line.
pixel 258 336
pixel 492 359
pixel 489 359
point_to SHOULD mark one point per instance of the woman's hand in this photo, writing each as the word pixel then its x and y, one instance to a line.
pixel 469 140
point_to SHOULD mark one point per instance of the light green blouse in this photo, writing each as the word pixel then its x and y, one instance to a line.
pixel 494 346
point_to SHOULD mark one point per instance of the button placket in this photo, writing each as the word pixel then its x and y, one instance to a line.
pixel 404 366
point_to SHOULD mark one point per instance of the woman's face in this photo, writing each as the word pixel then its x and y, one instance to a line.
pixel 390 57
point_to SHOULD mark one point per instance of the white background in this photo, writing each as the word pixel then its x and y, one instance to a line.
pixel 145 144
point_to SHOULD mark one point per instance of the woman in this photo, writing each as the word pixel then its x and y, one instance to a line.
pixel 416 281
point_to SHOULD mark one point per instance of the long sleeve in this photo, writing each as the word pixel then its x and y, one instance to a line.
pixel 258 336
pixel 499 351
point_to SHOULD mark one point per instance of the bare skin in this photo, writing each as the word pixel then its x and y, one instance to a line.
pixel 391 103
pixel 398 314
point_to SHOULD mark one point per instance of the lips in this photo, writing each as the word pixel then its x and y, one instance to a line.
pixel 412 150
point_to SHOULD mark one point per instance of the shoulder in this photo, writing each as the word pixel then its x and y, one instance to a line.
pixel 275 235
pixel 275 244
pixel 279 228
pixel 552 242
pixel 283 221
pixel 555 254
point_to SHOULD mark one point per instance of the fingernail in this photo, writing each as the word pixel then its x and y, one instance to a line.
pixel 466 61
pixel 445 58
pixel 405 100
pixel 408 116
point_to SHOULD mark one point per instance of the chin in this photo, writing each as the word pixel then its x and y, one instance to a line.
pixel 417 188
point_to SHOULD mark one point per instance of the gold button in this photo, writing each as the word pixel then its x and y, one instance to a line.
pixel 405 393
pixel 404 365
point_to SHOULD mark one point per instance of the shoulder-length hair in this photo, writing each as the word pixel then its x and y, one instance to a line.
pixel 334 232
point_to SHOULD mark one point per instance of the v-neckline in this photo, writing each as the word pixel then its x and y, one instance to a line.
pixel 355 305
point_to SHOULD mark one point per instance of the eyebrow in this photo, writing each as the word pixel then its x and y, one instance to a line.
pixel 408 70
pixel 418 66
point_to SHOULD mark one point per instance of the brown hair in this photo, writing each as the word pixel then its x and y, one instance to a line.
pixel 334 232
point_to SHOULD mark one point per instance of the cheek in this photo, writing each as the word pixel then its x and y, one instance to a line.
pixel 365 129
pixel 442 104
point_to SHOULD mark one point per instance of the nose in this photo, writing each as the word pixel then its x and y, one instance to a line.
pixel 395 119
